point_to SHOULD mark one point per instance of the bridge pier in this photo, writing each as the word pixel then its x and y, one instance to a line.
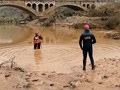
pixel 37 9
pixel 43 10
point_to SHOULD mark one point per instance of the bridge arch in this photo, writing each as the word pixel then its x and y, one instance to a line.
pixel 41 3
pixel 84 5
pixel 40 7
pixel 34 6
pixel 29 5
pixel 88 6
pixel 25 8
pixel 46 6
pixel 51 5
pixel 93 6
pixel 73 6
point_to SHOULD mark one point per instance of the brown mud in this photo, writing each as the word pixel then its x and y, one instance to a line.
pixel 58 64
pixel 106 76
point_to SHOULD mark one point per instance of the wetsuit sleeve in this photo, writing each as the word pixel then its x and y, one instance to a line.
pixel 93 39
pixel 80 42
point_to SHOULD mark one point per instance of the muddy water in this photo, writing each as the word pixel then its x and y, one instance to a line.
pixel 11 34
pixel 60 50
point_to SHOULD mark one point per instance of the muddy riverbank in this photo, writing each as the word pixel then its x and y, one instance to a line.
pixel 58 64
pixel 106 76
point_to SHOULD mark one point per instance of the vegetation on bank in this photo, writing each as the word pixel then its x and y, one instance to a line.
pixel 112 13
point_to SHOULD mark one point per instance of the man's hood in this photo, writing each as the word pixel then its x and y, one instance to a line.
pixel 87 30
pixel 36 34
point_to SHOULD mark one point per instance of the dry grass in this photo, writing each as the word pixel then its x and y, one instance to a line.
pixel 109 9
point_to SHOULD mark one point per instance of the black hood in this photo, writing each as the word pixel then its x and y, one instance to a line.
pixel 36 34
pixel 87 30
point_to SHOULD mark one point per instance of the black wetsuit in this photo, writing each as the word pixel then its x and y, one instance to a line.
pixel 88 39
pixel 39 44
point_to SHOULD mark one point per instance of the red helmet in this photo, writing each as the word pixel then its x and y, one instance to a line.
pixel 86 26
pixel 36 32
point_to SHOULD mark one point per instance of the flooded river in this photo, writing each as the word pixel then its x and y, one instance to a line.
pixel 11 34
pixel 60 50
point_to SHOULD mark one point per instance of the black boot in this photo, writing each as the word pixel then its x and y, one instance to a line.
pixel 84 68
pixel 93 67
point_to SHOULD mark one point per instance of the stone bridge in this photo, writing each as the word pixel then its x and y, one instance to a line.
pixel 36 8
pixel 21 6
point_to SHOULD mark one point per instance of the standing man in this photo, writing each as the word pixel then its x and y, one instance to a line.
pixel 85 42
pixel 37 41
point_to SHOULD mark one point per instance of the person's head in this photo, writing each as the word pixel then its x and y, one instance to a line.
pixel 36 33
pixel 86 26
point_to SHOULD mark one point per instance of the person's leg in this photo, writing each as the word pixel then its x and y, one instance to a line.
pixel 91 58
pixel 38 45
pixel 34 46
pixel 84 59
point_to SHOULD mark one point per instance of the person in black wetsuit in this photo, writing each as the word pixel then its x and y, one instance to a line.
pixel 85 42
pixel 37 41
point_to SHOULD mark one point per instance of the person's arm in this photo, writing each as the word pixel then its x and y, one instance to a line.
pixel 41 37
pixel 93 39
pixel 80 42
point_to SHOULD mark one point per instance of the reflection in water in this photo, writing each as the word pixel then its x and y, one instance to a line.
pixel 37 55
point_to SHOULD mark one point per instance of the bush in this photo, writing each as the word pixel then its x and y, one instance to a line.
pixel 92 26
pixel 101 12
pixel 113 23
pixel 78 26
pixel 47 24
pixel 52 20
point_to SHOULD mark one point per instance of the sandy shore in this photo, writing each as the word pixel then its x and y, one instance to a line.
pixel 106 76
